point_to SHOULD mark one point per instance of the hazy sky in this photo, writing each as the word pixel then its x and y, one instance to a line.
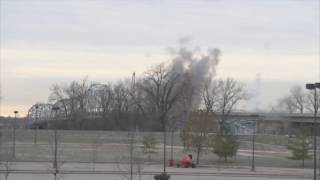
pixel 45 42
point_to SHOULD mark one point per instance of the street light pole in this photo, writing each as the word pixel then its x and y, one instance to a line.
pixel 314 87
pixel 36 126
pixel 55 158
pixel 14 134
pixel 253 148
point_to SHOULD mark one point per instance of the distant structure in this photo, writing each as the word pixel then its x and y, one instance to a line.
pixel 39 112
pixel 270 123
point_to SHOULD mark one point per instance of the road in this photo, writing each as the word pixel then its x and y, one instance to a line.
pixel 148 177
pixel 87 171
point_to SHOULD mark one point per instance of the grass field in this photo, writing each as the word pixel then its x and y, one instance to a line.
pixel 110 146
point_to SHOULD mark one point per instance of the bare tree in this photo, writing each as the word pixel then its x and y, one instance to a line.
pixel 287 103
pixel 312 103
pixel 222 97
pixel 81 90
pixel 7 162
pixel 73 99
pixel 71 93
pixel 58 96
pixel 182 110
pixel 82 100
pixel 219 97
pixel 120 104
pixel 105 100
pixel 186 107
pixel 149 144
pixel 172 130
pixel 131 163
pixel 56 147
pixel 296 101
pixel 210 97
pixel 185 138
pixel 197 129
pixel 6 158
pixel 299 97
pixel 96 141
pixel 162 88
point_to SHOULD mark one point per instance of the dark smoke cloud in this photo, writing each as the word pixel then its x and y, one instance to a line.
pixel 201 66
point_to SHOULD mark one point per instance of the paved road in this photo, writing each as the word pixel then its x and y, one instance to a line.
pixel 115 177
pixel 84 171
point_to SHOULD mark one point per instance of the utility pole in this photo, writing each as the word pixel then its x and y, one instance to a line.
pixel 131 135
pixel 36 125
pixel 55 162
pixel 14 134
pixel 55 153
pixel 164 148
pixel 171 158
pixel 315 125
pixel 253 148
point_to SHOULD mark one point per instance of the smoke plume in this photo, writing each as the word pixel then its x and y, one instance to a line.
pixel 200 66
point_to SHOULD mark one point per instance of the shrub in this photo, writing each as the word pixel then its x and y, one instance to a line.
pixel 225 146
pixel 300 146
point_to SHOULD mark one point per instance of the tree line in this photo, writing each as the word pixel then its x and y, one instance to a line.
pixel 298 100
pixel 164 95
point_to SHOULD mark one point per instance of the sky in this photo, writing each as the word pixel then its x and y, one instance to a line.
pixel 268 45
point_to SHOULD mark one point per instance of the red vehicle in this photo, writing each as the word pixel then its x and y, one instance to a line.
pixel 186 162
